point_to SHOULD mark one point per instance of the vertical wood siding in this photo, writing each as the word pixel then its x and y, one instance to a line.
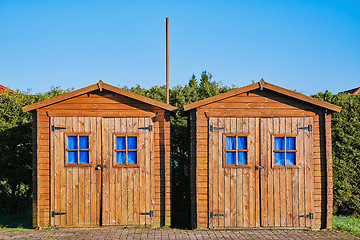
pixel 97 104
pixel 258 104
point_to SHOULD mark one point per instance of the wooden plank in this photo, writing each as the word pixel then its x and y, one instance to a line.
pixel 282 172
pixel 295 180
pixel 232 192
pixel 270 172
pixel 129 129
pixel 276 176
pixel 289 193
pixel 52 172
pixel 212 159
pixel 147 173
pixel 92 174
pixel 118 181
pixel 105 173
pixel 69 184
pixel 239 185
pixel 113 197
pixel 258 113
pixel 227 190
pixel 257 173
pixel 153 172
pixel 311 169
pixel 124 183
pixel 251 161
pixel 301 158
pixel 263 172
pixel 99 172
pixel 142 172
pixel 100 113
pixel 63 185
pixel 307 173
pixel 221 219
pixel 81 180
pixel 329 185
pixel 246 182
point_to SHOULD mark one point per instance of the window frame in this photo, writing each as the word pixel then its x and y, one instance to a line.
pixel 137 165
pixel 284 151
pixel 80 134
pixel 225 165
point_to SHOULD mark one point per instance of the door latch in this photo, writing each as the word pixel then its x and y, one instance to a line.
pixel 212 215
pixel 53 213
pixel 99 166
pixel 150 213
pixel 259 167
pixel 310 215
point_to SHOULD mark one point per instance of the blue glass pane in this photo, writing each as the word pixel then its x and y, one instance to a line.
pixel 242 158
pixel 120 143
pixel 72 142
pixel 230 143
pixel 84 157
pixel 231 158
pixel 84 142
pixel 132 159
pixel 279 143
pixel 72 157
pixel 242 143
pixel 120 157
pixel 290 158
pixel 132 143
pixel 279 158
pixel 290 143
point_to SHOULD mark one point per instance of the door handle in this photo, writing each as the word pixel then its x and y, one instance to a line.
pixel 99 166
pixel 259 167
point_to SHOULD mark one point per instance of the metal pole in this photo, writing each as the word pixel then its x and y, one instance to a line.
pixel 167 60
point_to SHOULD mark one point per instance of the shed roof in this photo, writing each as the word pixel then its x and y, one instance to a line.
pixel 100 85
pixel 353 91
pixel 4 89
pixel 263 85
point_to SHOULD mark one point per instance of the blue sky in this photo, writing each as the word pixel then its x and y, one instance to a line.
pixel 309 46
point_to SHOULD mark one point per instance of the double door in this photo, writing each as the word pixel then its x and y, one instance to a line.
pixel 101 171
pixel 260 172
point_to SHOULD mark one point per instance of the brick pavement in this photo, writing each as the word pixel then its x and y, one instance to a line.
pixel 141 233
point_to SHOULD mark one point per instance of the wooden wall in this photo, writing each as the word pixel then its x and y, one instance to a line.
pixel 259 103
pixel 100 104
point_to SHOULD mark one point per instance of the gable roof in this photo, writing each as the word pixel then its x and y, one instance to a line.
pixel 353 91
pixel 263 85
pixel 100 85
pixel 4 89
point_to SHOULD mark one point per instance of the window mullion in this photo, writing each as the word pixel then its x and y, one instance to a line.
pixel 78 151
pixel 126 150
pixel 285 150
pixel 236 150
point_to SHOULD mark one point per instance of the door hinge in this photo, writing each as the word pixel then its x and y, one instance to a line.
pixel 53 128
pixel 212 215
pixel 150 128
pixel 309 127
pixel 151 213
pixel 212 128
pixel 53 213
pixel 310 215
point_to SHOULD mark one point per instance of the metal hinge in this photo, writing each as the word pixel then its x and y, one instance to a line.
pixel 310 215
pixel 212 128
pixel 150 128
pixel 309 127
pixel 212 215
pixel 53 128
pixel 151 213
pixel 53 213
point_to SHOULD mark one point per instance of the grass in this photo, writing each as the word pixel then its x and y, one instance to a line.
pixel 348 224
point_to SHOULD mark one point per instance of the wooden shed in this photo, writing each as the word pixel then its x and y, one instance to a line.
pixel 101 157
pixel 261 157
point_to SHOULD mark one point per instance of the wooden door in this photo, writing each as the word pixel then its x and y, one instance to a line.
pixel 259 192
pixel 75 184
pixel 127 187
pixel 286 190
pixel 233 189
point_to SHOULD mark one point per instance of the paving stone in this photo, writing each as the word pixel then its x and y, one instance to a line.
pixel 169 234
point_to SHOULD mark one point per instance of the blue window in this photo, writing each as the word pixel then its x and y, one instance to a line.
pixel 78 149
pixel 285 151
pixel 236 150
pixel 126 150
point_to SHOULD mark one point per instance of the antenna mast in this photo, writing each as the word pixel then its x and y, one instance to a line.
pixel 167 60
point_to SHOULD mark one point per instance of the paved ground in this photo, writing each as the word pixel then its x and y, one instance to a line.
pixel 121 233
